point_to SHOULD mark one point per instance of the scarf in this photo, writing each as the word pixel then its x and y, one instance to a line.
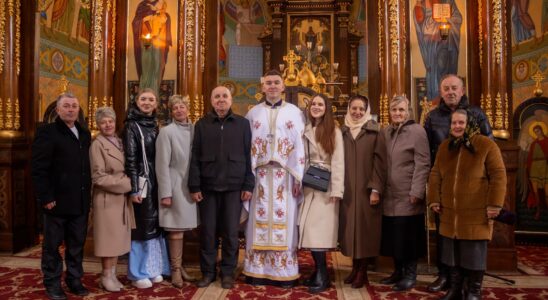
pixel 356 126
pixel 471 129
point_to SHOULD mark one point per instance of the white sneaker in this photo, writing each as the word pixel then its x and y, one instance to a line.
pixel 158 279
pixel 142 283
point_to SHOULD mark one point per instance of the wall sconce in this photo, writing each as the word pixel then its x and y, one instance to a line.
pixel 147 40
pixel 444 28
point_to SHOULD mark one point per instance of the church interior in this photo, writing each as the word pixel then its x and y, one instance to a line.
pixel 95 50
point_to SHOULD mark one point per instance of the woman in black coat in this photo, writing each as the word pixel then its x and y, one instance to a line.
pixel 148 256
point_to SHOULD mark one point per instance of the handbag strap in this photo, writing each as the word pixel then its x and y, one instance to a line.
pixel 145 161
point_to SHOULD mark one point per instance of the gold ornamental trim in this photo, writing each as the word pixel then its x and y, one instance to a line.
pixel 480 32
pixel 90 118
pixel 489 109
pixel 497 30
pixel 506 104
pixel 482 102
pixel 17 122
pixel 180 45
pixel 380 15
pixel 1 113
pixel 498 112
pixel 393 8
pixel 9 115
pixel 18 36
pixel 113 36
pixel 11 8
pixel 384 110
pixel 202 16
pixel 2 34
pixel 97 31
pixel 189 34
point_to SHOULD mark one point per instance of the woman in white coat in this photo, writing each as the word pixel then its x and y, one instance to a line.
pixel 319 212
pixel 177 211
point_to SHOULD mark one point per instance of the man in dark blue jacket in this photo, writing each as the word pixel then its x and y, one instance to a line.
pixel 62 182
pixel 220 178
pixel 437 126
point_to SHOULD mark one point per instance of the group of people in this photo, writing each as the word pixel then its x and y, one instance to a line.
pixel 228 171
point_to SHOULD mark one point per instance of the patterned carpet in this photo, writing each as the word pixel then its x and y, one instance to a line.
pixel 20 278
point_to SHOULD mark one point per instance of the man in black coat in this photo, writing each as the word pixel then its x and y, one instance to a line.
pixel 62 183
pixel 220 178
pixel 437 126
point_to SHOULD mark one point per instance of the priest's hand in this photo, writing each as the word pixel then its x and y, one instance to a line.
pixel 246 196
pixel 196 197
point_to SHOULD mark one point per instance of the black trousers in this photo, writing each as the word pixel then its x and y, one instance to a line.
pixel 219 210
pixel 72 230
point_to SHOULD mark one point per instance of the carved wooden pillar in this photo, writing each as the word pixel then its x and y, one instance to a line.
pixel 17 46
pixel 102 58
pixel 191 54
pixel 392 48
pixel 495 64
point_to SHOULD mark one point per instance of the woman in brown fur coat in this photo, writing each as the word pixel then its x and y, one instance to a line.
pixel 467 186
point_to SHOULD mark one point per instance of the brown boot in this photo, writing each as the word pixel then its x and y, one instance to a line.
pixel 361 276
pixel 175 260
pixel 352 276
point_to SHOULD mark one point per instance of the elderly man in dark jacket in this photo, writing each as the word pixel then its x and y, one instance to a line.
pixel 220 178
pixel 437 126
pixel 62 182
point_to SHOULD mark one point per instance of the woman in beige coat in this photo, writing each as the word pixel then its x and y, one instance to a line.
pixel 177 212
pixel 319 213
pixel 408 166
pixel 112 212
pixel 361 211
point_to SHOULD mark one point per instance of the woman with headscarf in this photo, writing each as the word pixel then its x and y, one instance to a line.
pixel 408 166
pixel 360 211
pixel 467 186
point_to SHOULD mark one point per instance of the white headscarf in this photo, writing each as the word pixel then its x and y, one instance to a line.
pixel 356 126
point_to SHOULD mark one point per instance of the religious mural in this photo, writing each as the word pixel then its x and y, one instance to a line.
pixel 529 20
pixel 431 55
pixel 532 136
pixel 152 35
pixel 64 45
pixel 241 23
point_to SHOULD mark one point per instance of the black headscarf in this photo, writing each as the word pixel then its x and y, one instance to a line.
pixel 472 128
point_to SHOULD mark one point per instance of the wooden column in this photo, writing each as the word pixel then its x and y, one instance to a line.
pixel 392 50
pixel 18 52
pixel 102 58
pixel 495 64
pixel 191 54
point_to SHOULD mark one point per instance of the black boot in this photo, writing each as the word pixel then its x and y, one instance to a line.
pixel 313 278
pixel 356 264
pixel 322 281
pixel 475 279
pixel 455 291
pixel 442 282
pixel 409 278
pixel 396 275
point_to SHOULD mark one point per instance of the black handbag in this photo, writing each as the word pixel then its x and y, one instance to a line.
pixel 315 177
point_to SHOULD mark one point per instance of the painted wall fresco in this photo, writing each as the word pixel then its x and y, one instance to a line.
pixel 64 46
pixel 240 53
pixel 529 20
pixel 529 47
